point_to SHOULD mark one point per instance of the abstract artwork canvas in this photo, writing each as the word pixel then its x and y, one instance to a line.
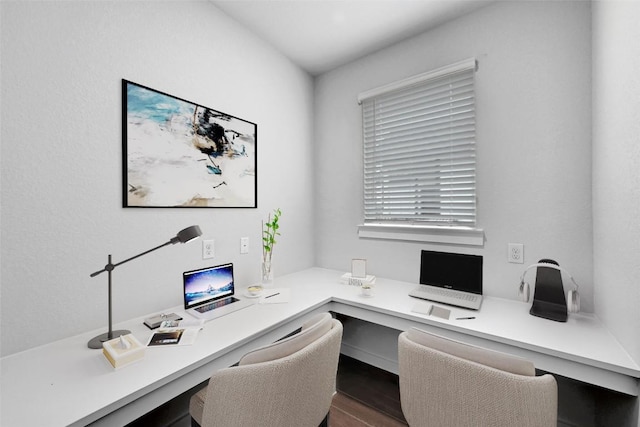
pixel 180 154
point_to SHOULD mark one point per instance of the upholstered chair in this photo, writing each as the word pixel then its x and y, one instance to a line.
pixel 449 383
pixel 288 383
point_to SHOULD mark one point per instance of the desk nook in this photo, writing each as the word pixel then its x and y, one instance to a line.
pixel 76 386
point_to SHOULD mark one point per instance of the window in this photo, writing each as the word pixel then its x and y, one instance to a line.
pixel 419 151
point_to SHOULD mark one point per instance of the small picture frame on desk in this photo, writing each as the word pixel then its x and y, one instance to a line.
pixel 359 268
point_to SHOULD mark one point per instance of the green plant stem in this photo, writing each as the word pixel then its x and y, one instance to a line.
pixel 269 233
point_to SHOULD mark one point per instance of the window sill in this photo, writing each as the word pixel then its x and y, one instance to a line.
pixel 421 233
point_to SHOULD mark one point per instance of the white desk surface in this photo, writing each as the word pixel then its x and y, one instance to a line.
pixel 65 383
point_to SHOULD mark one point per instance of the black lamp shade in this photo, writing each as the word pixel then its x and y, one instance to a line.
pixel 187 234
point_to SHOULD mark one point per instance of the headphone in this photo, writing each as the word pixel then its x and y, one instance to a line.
pixel 573 297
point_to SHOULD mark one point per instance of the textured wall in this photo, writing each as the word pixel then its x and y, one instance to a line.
pixel 62 65
pixel 616 168
pixel 533 142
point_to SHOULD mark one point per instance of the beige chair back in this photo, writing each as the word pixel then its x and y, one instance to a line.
pixel 448 383
pixel 288 383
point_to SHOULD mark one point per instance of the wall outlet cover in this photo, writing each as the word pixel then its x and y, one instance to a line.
pixel 515 253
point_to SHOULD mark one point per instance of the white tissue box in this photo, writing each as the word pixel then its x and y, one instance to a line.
pixel 118 356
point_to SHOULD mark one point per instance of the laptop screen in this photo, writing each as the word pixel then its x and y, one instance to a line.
pixel 461 272
pixel 208 284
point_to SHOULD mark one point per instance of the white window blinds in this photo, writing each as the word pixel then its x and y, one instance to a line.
pixel 419 149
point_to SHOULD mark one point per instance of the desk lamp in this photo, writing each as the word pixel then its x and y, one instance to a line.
pixel 183 236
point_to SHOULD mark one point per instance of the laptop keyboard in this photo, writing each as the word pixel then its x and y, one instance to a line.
pixel 462 296
pixel 447 296
pixel 215 304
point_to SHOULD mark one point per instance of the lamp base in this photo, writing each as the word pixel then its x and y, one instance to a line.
pixel 96 342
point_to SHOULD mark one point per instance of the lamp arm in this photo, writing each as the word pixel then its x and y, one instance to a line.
pixel 183 236
pixel 110 266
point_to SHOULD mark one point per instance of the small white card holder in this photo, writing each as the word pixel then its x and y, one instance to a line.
pixel 358 268
pixel 358 275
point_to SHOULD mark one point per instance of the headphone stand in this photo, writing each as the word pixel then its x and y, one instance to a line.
pixel 549 301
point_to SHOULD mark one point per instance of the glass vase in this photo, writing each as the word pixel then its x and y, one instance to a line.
pixel 267 273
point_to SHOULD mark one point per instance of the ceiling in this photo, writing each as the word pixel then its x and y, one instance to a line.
pixel 320 35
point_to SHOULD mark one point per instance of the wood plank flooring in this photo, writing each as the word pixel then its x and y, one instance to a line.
pixel 348 412
pixel 366 397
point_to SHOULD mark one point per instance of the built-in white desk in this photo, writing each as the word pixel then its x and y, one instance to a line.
pixel 65 383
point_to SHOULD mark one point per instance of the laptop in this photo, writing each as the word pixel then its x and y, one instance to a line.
pixel 209 292
pixel 448 278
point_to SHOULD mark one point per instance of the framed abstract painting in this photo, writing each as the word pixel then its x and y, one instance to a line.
pixel 177 153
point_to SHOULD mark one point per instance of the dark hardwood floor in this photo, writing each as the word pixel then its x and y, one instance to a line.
pixel 348 412
pixel 370 387
pixel 366 397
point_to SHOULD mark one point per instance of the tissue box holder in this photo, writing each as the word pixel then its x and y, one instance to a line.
pixel 119 357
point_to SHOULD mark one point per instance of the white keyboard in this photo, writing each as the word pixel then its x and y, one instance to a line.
pixel 447 296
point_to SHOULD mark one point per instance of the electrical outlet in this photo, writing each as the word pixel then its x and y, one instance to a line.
pixel 244 245
pixel 208 249
pixel 516 253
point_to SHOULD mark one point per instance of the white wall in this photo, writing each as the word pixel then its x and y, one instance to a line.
pixel 533 142
pixel 616 168
pixel 62 65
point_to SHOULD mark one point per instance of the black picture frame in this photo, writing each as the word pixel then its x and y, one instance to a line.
pixel 177 153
